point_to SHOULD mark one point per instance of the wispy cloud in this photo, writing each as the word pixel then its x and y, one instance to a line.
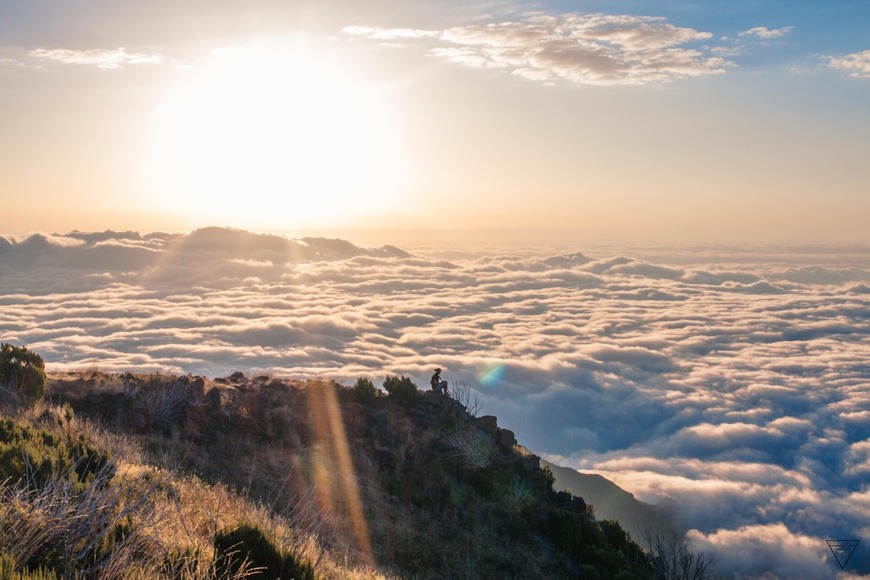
pixel 856 64
pixel 12 63
pixel 597 49
pixel 105 58
pixel 377 33
pixel 765 33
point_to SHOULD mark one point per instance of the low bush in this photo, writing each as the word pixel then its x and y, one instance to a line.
pixel 473 448
pixel 31 457
pixel 22 372
pixel 602 546
pixel 364 391
pixel 247 546
pixel 401 390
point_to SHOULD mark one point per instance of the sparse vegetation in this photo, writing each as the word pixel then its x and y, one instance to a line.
pixel 467 397
pixel 195 478
pixel 473 448
pixel 673 560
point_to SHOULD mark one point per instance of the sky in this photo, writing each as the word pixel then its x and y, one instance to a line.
pixel 685 120
pixel 636 229
pixel 732 385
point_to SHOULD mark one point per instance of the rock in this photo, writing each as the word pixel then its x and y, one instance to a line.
pixel 506 438
pixel 487 424
pixel 561 497
pixel 237 377
pixel 569 502
pixel 196 388
pixel 530 464
pixel 213 400
pixel 577 505
pixel 195 420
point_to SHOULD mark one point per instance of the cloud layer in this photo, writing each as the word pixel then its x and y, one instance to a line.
pixel 734 384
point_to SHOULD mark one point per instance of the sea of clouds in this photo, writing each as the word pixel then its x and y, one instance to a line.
pixel 732 385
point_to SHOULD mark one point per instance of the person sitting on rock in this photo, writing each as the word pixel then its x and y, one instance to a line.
pixel 437 383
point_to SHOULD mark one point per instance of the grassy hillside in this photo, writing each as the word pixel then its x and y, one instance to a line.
pixel 216 478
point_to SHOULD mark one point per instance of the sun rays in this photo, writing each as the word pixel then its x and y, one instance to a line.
pixel 334 475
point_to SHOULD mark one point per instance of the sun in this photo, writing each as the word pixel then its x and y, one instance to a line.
pixel 272 137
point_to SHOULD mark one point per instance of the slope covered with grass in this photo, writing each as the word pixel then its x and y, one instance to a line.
pixel 213 478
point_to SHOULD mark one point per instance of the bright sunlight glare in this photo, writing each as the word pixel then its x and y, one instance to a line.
pixel 274 138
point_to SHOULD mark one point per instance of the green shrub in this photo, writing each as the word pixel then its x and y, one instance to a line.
pixel 602 546
pixel 364 391
pixel 247 544
pixel 22 371
pixel 401 390
pixel 33 456
pixel 549 477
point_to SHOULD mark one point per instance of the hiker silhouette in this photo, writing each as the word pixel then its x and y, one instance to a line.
pixel 437 383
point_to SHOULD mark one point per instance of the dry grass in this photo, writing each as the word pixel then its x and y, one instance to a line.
pixel 142 520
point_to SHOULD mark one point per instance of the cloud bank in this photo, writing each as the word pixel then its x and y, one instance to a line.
pixel 731 385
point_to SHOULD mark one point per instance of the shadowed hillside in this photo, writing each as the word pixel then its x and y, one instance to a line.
pixel 611 502
pixel 338 480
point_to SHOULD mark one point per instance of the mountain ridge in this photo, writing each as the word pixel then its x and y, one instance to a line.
pixel 611 502
pixel 386 474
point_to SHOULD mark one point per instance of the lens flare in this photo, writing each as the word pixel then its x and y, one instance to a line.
pixel 491 376
pixel 334 475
